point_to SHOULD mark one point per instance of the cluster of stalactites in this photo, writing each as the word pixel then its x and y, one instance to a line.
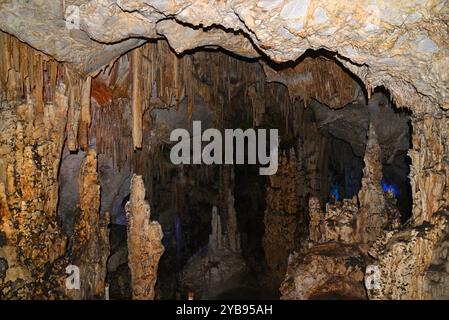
pixel 27 74
pixel 154 77
pixel 30 75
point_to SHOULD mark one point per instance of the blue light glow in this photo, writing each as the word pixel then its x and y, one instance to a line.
pixel 334 192
pixel 390 188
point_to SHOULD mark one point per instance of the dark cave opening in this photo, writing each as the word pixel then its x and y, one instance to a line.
pixel 396 182
pixel 118 277
pixel 347 130
pixel 345 174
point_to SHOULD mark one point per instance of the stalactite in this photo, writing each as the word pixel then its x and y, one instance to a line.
pixel 314 152
pixel 39 86
pixel 85 117
pixel 190 88
pixel 113 123
pixel 317 78
pixel 74 111
pixel 24 69
pixel 136 99
pixel 144 243
pixel 166 80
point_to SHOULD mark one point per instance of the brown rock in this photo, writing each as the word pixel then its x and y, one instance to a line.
pixel 144 243
pixel 90 248
pixel 327 271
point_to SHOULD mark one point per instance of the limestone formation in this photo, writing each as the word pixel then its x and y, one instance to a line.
pixel 428 176
pixel 283 214
pixel 337 223
pixel 372 217
pixel 349 222
pixel 144 243
pixel 333 263
pixel 411 263
pixel 31 140
pixel 327 271
pixel 317 78
pixel 218 267
pixel 216 237
pixel 90 248
pixel 378 112
pixel 233 235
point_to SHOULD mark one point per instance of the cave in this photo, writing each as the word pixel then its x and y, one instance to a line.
pixel 261 150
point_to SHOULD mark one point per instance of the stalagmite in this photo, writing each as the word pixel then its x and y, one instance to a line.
pixel 90 248
pixel 144 243
pixel 334 261
pixel 220 265
pixel 232 229
pixel 216 237
pixel 372 217
pixel 282 214
pixel 335 224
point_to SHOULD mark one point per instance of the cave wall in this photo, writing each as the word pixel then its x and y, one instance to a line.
pixel 429 169
pixel 417 255
pixel 33 120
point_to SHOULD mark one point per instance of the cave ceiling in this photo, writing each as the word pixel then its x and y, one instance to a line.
pixel 401 45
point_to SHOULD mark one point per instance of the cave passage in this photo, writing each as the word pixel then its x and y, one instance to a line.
pixel 241 250
pixel 349 101
pixel 163 230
